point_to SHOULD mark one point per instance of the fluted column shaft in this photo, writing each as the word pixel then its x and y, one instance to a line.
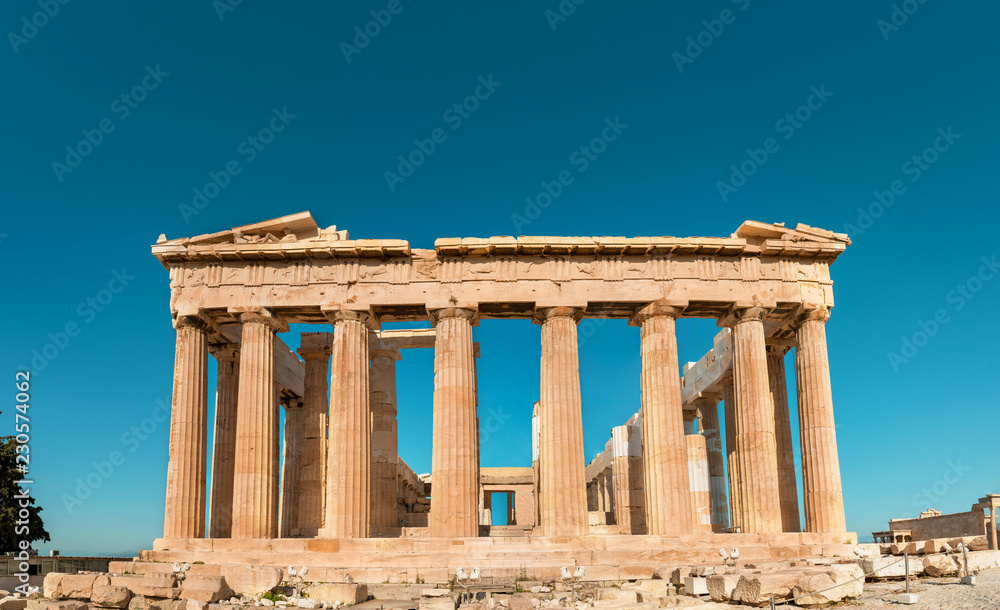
pixel 664 450
pixel 561 464
pixel 756 446
pixel 385 440
pixel 700 483
pixel 455 455
pixel 821 485
pixel 291 467
pixel 224 443
pixel 348 472
pixel 716 472
pixel 315 411
pixel 787 489
pixel 733 466
pixel 991 528
pixel 255 483
pixel 184 512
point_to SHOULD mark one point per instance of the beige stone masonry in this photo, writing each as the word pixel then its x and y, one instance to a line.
pixel 315 351
pixel 291 469
pixel 227 356
pixel 255 481
pixel 787 488
pixel 385 439
pixel 184 516
pixel 821 487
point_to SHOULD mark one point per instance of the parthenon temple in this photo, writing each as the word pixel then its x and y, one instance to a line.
pixel 706 461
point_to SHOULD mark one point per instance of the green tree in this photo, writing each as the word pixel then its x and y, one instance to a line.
pixel 13 529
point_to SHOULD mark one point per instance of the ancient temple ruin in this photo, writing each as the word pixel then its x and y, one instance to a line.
pixel 676 480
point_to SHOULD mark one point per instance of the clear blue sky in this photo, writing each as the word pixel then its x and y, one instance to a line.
pixel 197 87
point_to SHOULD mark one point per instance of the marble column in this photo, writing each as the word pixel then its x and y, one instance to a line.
pixel 717 477
pixel 787 489
pixel 821 486
pixel 991 528
pixel 255 481
pixel 455 454
pixel 561 464
pixel 385 439
pixel 732 465
pixel 315 411
pixel 664 450
pixel 622 480
pixel 756 447
pixel 224 443
pixel 291 468
pixel 349 454
pixel 700 483
pixel 184 513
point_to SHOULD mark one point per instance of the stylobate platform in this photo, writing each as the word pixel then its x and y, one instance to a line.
pixel 434 560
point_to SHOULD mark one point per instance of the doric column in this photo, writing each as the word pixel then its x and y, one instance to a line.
pixel 315 351
pixel 700 484
pixel 255 482
pixel 224 444
pixel 561 466
pixel 822 492
pixel 291 468
pixel 787 489
pixel 664 450
pixel 349 453
pixel 184 513
pixel 756 448
pixel 991 528
pixel 732 465
pixel 455 454
pixel 626 465
pixel 385 439
pixel 717 477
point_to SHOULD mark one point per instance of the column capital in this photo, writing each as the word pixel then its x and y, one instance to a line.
pixel 189 320
pixel 292 404
pixel 385 351
pixel 223 351
pixel 811 313
pixel 440 311
pixel 737 315
pixel 340 312
pixel 671 309
pixel 261 315
pixel 313 353
pixel 317 345
pixel 777 349
pixel 548 312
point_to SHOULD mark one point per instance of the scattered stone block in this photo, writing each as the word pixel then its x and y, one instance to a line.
pixel 251 580
pixel 649 590
pixel 721 586
pixel 205 588
pixel 308 604
pixel 66 605
pixel 110 596
pixel 612 594
pixel 519 603
pixel 155 584
pixel 78 586
pixel 435 592
pixel 940 565
pixel 52 585
pixel 821 588
pixel 193 604
pixel 344 593
pixel 13 603
pixel 758 589
pixel 438 603
pixel 983 560
pixel 695 585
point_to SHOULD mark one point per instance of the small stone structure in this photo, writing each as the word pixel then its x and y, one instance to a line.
pixel 338 488
pixel 980 520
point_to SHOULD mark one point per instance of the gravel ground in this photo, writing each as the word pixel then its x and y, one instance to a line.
pixel 937 593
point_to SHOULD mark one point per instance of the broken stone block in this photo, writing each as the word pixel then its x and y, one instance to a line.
pixel 78 586
pixel 519 603
pixel 309 604
pixel 982 560
pixel 13 603
pixel 819 588
pixel 758 589
pixel 649 590
pixel 438 603
pixel 721 586
pixel 193 604
pixel 66 605
pixel 52 585
pixel 616 595
pixel 205 588
pixel 110 596
pixel 695 585
pixel 343 593
pixel 940 565
pixel 156 584
pixel 251 580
